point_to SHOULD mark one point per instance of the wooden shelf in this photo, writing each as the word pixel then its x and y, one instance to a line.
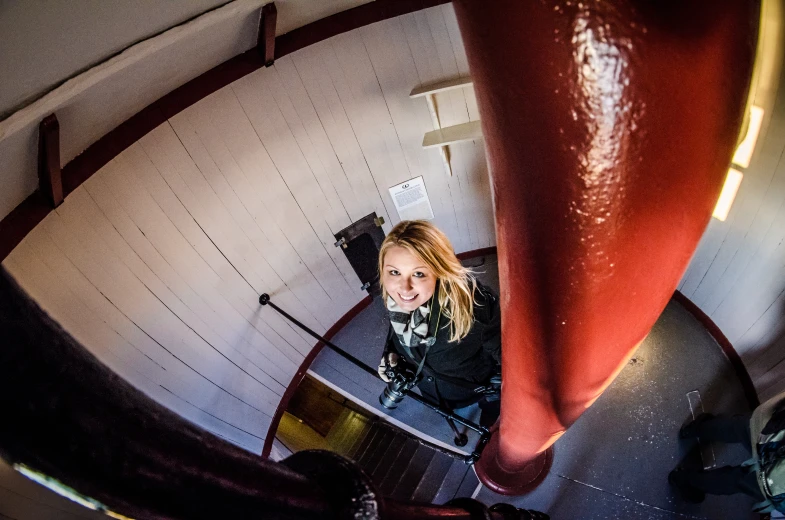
pixel 453 134
pixel 435 88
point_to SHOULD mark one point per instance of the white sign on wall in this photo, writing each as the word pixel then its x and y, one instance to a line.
pixel 411 200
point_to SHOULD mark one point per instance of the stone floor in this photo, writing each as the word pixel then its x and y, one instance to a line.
pixel 613 462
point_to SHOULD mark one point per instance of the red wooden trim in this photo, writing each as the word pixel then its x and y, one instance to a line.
pixel 50 181
pixel 27 215
pixel 738 365
pixel 304 366
pixel 348 20
pixel 266 40
pixel 474 253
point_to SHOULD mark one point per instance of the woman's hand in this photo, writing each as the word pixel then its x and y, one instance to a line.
pixel 392 360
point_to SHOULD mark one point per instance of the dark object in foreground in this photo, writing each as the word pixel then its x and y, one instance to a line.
pixel 70 417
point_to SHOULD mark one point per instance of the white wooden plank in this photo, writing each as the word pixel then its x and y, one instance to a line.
pixel 173 246
pixel 460 58
pixel 760 237
pixel 429 70
pixel 50 288
pixel 756 292
pixel 170 263
pixel 254 185
pixel 346 61
pixel 266 360
pixel 131 245
pixel 745 209
pixel 396 72
pixel 318 139
pixel 233 290
pixel 471 201
pixel 206 225
pixel 201 129
pixel 299 166
pixel 149 314
pixel 314 74
pixel 712 260
pixel 298 205
pixel 433 66
pixel 283 100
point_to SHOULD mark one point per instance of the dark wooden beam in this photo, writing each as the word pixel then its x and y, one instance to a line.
pixel 266 42
pixel 50 180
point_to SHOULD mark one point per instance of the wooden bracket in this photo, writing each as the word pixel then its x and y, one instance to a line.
pixel 50 181
pixel 266 41
pixel 443 137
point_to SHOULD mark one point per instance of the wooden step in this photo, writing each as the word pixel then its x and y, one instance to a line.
pixel 414 472
pixel 377 448
pixel 359 442
pixel 398 467
pixel 451 482
pixel 366 444
pixel 381 470
pixel 433 477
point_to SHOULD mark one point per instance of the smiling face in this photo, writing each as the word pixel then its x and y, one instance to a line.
pixel 407 279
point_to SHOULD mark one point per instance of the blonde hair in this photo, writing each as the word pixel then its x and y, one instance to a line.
pixel 456 282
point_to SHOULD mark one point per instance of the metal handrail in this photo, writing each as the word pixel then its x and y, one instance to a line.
pixel 485 434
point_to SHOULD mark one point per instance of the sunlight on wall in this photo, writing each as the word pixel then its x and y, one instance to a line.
pixel 744 151
pixel 729 190
pixel 763 89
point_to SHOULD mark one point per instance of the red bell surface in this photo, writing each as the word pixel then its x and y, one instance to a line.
pixel 609 127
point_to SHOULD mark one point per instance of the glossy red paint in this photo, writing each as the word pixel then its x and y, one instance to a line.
pixel 609 127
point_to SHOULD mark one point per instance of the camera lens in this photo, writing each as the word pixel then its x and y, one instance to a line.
pixel 392 395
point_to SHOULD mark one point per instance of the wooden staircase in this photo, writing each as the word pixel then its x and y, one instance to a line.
pixel 400 465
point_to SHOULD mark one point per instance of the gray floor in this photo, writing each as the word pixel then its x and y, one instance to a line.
pixel 613 462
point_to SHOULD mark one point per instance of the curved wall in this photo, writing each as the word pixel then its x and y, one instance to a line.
pixel 737 275
pixel 156 262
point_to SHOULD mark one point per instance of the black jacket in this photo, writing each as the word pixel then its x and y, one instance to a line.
pixel 453 371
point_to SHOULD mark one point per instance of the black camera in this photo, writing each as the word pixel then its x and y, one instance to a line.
pixel 402 379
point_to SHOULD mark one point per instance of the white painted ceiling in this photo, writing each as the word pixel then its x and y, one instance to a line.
pixel 44 42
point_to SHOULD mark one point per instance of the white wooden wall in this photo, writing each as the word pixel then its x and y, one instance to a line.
pixel 156 263
pixel 737 275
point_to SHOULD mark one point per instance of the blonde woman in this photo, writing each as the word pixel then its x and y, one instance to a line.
pixel 443 323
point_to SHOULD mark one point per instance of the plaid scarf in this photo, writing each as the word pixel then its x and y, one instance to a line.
pixel 410 327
